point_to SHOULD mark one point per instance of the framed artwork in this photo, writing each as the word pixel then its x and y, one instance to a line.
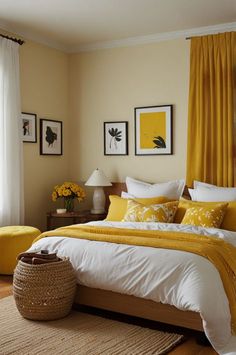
pixel 153 130
pixel 50 137
pixel 29 127
pixel 116 138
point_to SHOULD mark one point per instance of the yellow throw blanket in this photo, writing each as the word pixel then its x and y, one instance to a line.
pixel 220 253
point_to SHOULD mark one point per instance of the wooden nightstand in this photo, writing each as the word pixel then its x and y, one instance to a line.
pixel 68 218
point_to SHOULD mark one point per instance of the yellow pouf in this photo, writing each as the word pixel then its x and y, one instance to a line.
pixel 13 241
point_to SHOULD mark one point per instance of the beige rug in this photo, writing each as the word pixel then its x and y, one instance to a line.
pixel 78 334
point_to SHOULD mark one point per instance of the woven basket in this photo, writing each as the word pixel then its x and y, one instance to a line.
pixel 46 291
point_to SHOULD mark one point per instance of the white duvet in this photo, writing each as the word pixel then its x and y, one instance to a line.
pixel 185 280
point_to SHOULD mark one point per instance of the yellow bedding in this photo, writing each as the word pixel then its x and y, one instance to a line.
pixel 220 253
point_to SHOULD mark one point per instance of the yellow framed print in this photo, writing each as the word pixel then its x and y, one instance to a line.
pixel 153 130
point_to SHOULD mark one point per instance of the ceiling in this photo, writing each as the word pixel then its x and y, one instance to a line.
pixel 74 25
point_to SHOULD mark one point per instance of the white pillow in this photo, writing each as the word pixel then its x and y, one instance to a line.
pixel 197 184
pixel 217 194
pixel 192 193
pixel 140 189
pixel 126 195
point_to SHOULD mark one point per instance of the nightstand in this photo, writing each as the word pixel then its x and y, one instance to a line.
pixel 65 219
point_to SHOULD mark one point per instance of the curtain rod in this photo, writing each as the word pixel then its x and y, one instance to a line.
pixel 209 34
pixel 19 41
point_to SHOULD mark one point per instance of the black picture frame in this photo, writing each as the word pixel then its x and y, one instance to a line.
pixel 153 130
pixel 29 127
pixel 115 138
pixel 51 137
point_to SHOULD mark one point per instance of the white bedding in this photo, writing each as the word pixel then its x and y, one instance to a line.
pixel 182 279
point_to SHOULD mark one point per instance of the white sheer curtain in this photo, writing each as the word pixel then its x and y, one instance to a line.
pixel 11 158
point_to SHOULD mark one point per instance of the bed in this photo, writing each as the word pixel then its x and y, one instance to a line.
pixel 132 305
pixel 134 291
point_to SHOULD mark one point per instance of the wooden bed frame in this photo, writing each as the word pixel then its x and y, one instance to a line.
pixel 132 305
pixel 135 306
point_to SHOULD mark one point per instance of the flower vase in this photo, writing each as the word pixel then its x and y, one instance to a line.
pixel 69 204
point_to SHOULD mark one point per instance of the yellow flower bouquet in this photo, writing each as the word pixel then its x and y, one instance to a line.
pixel 69 191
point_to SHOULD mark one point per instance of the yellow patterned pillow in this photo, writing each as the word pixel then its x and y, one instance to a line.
pixel 205 216
pixel 185 204
pixel 118 205
pixel 137 212
pixel 229 221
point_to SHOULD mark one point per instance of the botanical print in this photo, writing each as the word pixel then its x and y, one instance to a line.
pixel 116 138
pixel 159 142
pixel 50 137
pixel 153 130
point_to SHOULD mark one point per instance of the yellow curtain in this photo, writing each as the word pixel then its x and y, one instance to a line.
pixel 211 110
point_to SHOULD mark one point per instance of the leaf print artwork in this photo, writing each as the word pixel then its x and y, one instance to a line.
pixel 116 136
pixel 153 130
pixel 51 136
pixel 160 142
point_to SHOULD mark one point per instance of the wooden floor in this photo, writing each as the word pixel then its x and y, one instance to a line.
pixel 5 286
pixel 189 347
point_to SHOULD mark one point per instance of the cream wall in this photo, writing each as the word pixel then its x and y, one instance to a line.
pixel 106 85
pixel 44 91
pixel 84 90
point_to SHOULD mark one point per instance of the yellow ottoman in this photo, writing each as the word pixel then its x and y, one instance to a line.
pixel 13 241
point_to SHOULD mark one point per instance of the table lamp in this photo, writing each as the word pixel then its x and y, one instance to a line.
pixel 98 179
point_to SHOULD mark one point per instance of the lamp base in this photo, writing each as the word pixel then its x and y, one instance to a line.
pixel 98 201
pixel 93 211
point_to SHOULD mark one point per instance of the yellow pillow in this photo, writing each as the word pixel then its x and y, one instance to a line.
pixel 229 221
pixel 118 205
pixel 185 204
pixel 205 216
pixel 137 212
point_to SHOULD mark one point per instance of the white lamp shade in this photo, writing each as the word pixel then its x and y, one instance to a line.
pixel 98 178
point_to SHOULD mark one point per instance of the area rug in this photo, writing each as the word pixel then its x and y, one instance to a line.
pixel 79 333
